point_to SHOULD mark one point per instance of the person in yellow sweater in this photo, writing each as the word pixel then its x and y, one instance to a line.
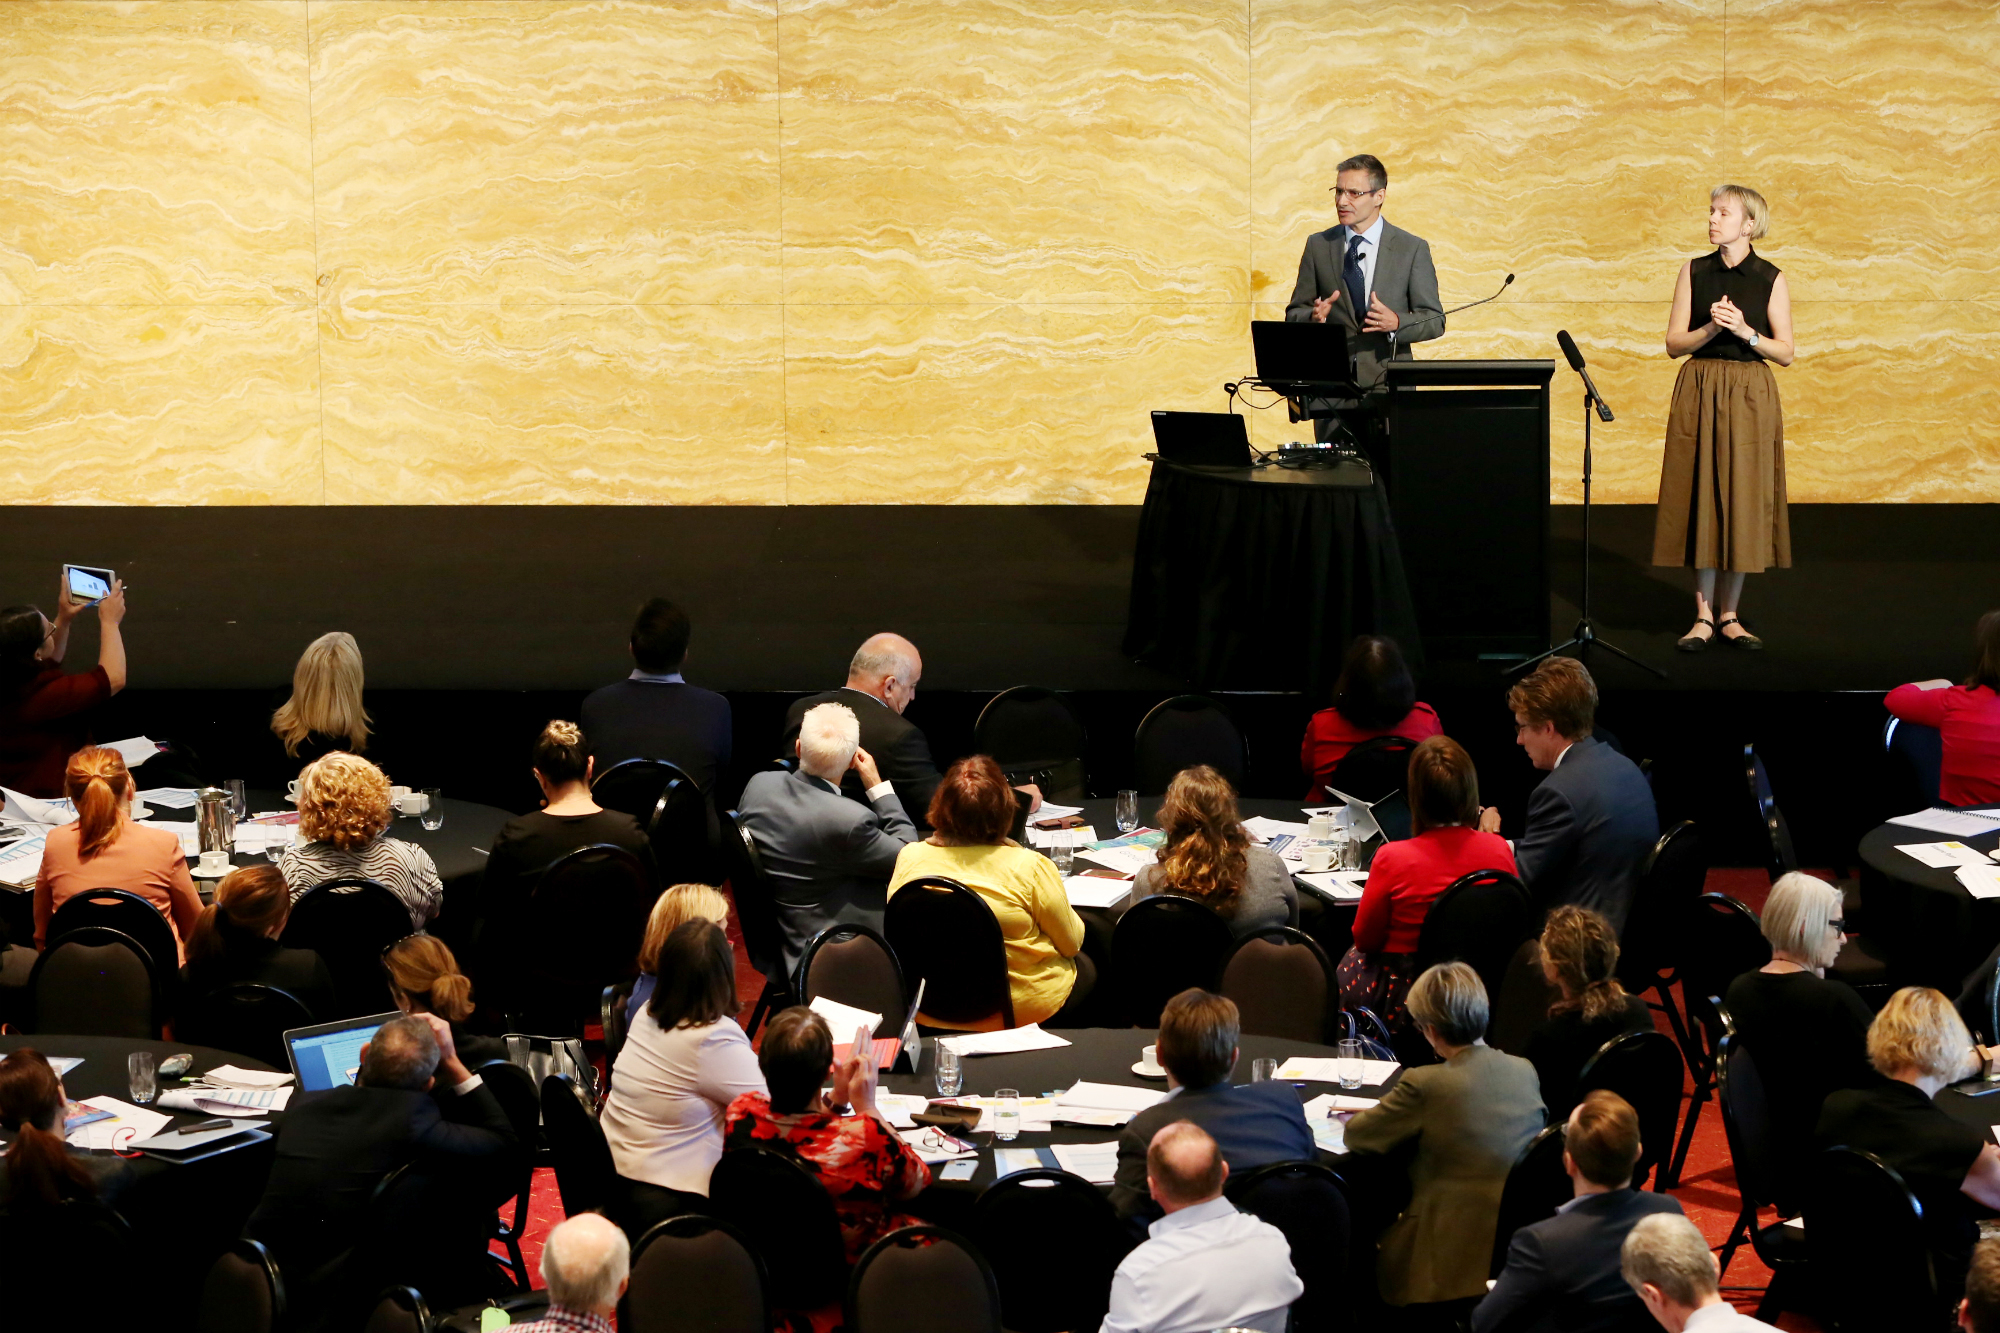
pixel 971 813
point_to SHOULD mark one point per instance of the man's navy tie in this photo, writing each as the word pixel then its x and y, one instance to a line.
pixel 1351 277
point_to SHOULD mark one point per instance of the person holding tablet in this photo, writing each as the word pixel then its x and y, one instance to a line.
pixel 45 711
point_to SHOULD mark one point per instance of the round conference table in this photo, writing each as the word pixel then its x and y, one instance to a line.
pixel 1933 929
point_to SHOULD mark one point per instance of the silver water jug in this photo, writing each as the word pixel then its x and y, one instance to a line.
pixel 214 820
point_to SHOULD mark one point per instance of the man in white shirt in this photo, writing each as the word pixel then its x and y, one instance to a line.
pixel 1667 1261
pixel 1205 1266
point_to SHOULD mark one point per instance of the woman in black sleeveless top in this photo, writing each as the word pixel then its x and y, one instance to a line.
pixel 1722 482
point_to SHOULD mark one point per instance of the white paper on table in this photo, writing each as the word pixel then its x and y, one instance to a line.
pixel 1345 885
pixel 1261 829
pixel 1035 1112
pixel 1108 1097
pixel 1329 1135
pixel 1127 860
pixel 843 1019
pixel 62 1064
pixel 1080 837
pixel 1012 1161
pixel 1095 890
pixel 226 1101
pixel 1095 1162
pixel 229 1076
pixel 127 1122
pixel 170 798
pixel 1050 810
pixel 1328 1102
pixel 1958 823
pixel 1100 1116
pixel 920 1139
pixel 1326 1069
pixel 1980 881
pixel 1029 1038
pixel 20 808
pixel 21 861
pixel 134 750
pixel 1944 854
pixel 898 1108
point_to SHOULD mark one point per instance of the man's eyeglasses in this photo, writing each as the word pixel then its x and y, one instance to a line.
pixel 1352 196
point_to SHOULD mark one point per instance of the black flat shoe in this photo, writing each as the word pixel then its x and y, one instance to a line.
pixel 1746 640
pixel 1695 643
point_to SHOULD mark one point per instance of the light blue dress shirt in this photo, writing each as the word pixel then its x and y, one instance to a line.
pixel 1203 1268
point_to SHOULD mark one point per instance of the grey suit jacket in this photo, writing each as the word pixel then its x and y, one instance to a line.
pixel 1590 825
pixel 828 858
pixel 1405 281
pixel 1562 1274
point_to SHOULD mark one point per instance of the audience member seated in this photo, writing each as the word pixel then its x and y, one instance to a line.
pixel 1966 716
pixel 881 682
pixel 586 1265
pixel 828 859
pixel 1375 696
pixel 424 979
pixel 1666 1260
pixel 1470 1117
pixel 1208 857
pixel 1580 959
pixel 324 713
pixel 45 713
pixel 1255 1123
pixel 1979 1312
pixel 414 1102
pixel 682 902
pixel 39 1170
pixel 1205 1265
pixel 971 814
pixel 1564 1273
pixel 684 1061
pixel 1591 823
pixel 654 713
pixel 104 849
pixel 1808 1035
pixel 235 941
pixel 1406 877
pixel 859 1157
pixel 1918 1045
pixel 344 834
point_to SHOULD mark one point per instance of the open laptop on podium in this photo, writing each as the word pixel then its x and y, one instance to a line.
pixel 1303 359
pixel 1200 439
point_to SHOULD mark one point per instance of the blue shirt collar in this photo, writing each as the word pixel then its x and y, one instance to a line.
pixel 1192 1216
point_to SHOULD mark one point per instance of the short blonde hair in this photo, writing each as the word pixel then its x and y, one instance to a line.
pixel 683 902
pixel 326 695
pixel 1450 1000
pixel 344 800
pixel 1798 917
pixel 1751 203
pixel 1918 1029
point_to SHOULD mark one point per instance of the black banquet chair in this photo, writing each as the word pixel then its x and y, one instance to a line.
pixel 586 1177
pixel 1032 732
pixel 1054 1242
pixel 945 936
pixel 124 911
pixel 246 1017
pixel 1871 1260
pixel 1645 1069
pixel 96 982
pixel 399 1309
pixel 1480 920
pixel 922 1279
pixel 348 923
pixel 586 918
pixel 856 966
pixel 55 1262
pixel 1305 1201
pixel 694 1274
pixel 757 913
pixel 1375 769
pixel 1536 1186
pixel 1184 731
pixel 1160 947
pixel 787 1218
pixel 242 1292
pixel 1283 985
pixel 672 809
pixel 1655 940
pixel 1522 1005
pixel 1746 1123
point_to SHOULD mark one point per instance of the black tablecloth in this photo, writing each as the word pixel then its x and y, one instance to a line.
pixel 1933 930
pixel 1249 579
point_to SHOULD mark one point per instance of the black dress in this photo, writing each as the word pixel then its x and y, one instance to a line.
pixel 1809 1037
pixel 1563 1045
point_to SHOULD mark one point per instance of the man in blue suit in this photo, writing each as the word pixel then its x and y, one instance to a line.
pixel 1564 1274
pixel 1253 1123
pixel 1592 822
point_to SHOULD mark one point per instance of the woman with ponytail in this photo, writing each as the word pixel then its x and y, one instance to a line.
pixel 39 1170
pixel 424 979
pixel 104 849
pixel 1208 857
pixel 1580 961
pixel 236 941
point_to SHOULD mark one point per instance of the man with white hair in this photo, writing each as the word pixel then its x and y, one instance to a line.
pixel 881 682
pixel 586 1264
pixel 828 858
pixel 1667 1261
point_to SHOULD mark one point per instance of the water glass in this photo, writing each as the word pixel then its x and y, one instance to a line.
pixel 1342 846
pixel 950 1073
pixel 1007 1114
pixel 1347 1057
pixel 239 802
pixel 140 1079
pixel 1127 811
pixel 1062 850
pixel 274 852
pixel 1263 1071
pixel 433 816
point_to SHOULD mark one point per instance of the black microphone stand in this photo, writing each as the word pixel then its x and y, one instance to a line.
pixel 1584 637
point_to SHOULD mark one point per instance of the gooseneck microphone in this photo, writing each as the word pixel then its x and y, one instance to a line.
pixel 1575 359
pixel 1455 309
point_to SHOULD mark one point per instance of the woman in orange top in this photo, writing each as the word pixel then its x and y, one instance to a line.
pixel 104 849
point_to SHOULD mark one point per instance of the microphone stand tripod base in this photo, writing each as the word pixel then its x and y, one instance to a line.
pixel 1583 638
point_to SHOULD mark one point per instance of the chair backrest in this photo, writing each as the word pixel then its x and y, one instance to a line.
pixel 95 982
pixel 586 1177
pixel 787 1218
pixel 514 1088
pixel 1160 947
pixel 1917 753
pixel 694 1274
pixel 121 910
pixel 856 966
pixel 1481 920
pixel 1054 1242
pixel 586 919
pixel 669 805
pixel 1183 731
pixel 756 905
pixel 54 1264
pixel 248 1018
pixel 611 1011
pixel 1306 1202
pixel 1029 726
pixel 945 936
pixel 1746 1122
pixel 923 1279
pixel 1783 858
pixel 348 923
pixel 399 1309
pixel 242 1292
pixel 1656 932
pixel 1724 941
pixel 1374 768
pixel 1871 1258
pixel 1283 984
pixel 1536 1186
pixel 1522 1005
pixel 1646 1069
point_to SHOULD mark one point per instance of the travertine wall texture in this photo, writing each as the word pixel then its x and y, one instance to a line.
pixel 933 251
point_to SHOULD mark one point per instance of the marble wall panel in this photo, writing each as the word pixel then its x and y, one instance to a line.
pixel 159 405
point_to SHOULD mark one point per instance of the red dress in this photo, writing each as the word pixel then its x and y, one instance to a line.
pixel 1969 722
pixel 46 722
pixel 1329 737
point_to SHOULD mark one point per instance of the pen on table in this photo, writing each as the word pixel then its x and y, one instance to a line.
pixel 202 1126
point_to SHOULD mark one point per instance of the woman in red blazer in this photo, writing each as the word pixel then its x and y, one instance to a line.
pixel 1375 696
pixel 1967 717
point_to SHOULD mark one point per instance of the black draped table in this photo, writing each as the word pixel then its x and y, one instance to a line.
pixel 1934 931
pixel 1249 578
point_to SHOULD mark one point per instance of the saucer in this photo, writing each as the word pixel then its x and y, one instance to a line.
pixel 1157 1071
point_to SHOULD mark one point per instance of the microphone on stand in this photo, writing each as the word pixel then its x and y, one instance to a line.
pixel 1454 310
pixel 1575 358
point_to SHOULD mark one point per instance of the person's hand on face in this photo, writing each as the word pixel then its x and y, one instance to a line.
pixel 447 1052
pixel 864 768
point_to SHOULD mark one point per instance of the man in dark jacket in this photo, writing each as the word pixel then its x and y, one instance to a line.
pixel 881 682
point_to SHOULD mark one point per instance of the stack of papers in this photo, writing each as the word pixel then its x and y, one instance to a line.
pixel 1329 1135
pixel 1980 881
pixel 1328 1102
pixel 127 1124
pixel 1013 1161
pixel 1029 1038
pixel 842 1020
pixel 1957 823
pixel 1261 829
pixel 1109 1097
pixel 1096 890
pixel 19 808
pixel 21 861
pixel 1123 857
pixel 254 839
pixel 1037 1113
pixel 898 1108
pixel 1341 885
pixel 169 798
pixel 226 1101
pixel 135 750
pixel 1325 1069
pixel 1944 854
pixel 1095 1162
pixel 1081 836
pixel 229 1076
pixel 1050 810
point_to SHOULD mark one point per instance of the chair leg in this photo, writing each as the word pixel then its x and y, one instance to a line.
pixel 767 1003
pixel 1738 1236
pixel 1678 1159
pixel 1675 1021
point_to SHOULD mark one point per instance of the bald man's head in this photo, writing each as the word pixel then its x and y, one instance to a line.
pixel 585 1264
pixel 1184 1167
pixel 887 667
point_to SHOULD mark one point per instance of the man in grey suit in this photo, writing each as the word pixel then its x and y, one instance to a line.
pixel 1592 822
pixel 1563 1273
pixel 828 858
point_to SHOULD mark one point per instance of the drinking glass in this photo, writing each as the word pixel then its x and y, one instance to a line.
pixel 1347 1057
pixel 1062 850
pixel 433 816
pixel 1007 1114
pixel 1342 845
pixel 1127 811
pixel 274 852
pixel 239 803
pixel 1263 1071
pixel 950 1074
pixel 139 1077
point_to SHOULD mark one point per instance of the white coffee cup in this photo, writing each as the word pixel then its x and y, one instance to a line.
pixel 1318 858
pixel 1319 827
pixel 410 802
pixel 213 864
pixel 1149 1056
pixel 397 794
pixel 292 790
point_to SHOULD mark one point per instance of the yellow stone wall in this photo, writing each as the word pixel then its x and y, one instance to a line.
pixel 933 251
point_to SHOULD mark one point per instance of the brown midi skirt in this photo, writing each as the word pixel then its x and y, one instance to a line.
pixel 1722 483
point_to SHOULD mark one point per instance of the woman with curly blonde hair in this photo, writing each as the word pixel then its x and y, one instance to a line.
pixel 1208 857
pixel 343 834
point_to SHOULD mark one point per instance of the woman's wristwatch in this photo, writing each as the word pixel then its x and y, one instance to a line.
pixel 1753 337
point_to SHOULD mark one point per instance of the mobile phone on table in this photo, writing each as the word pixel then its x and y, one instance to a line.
pixel 88 584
